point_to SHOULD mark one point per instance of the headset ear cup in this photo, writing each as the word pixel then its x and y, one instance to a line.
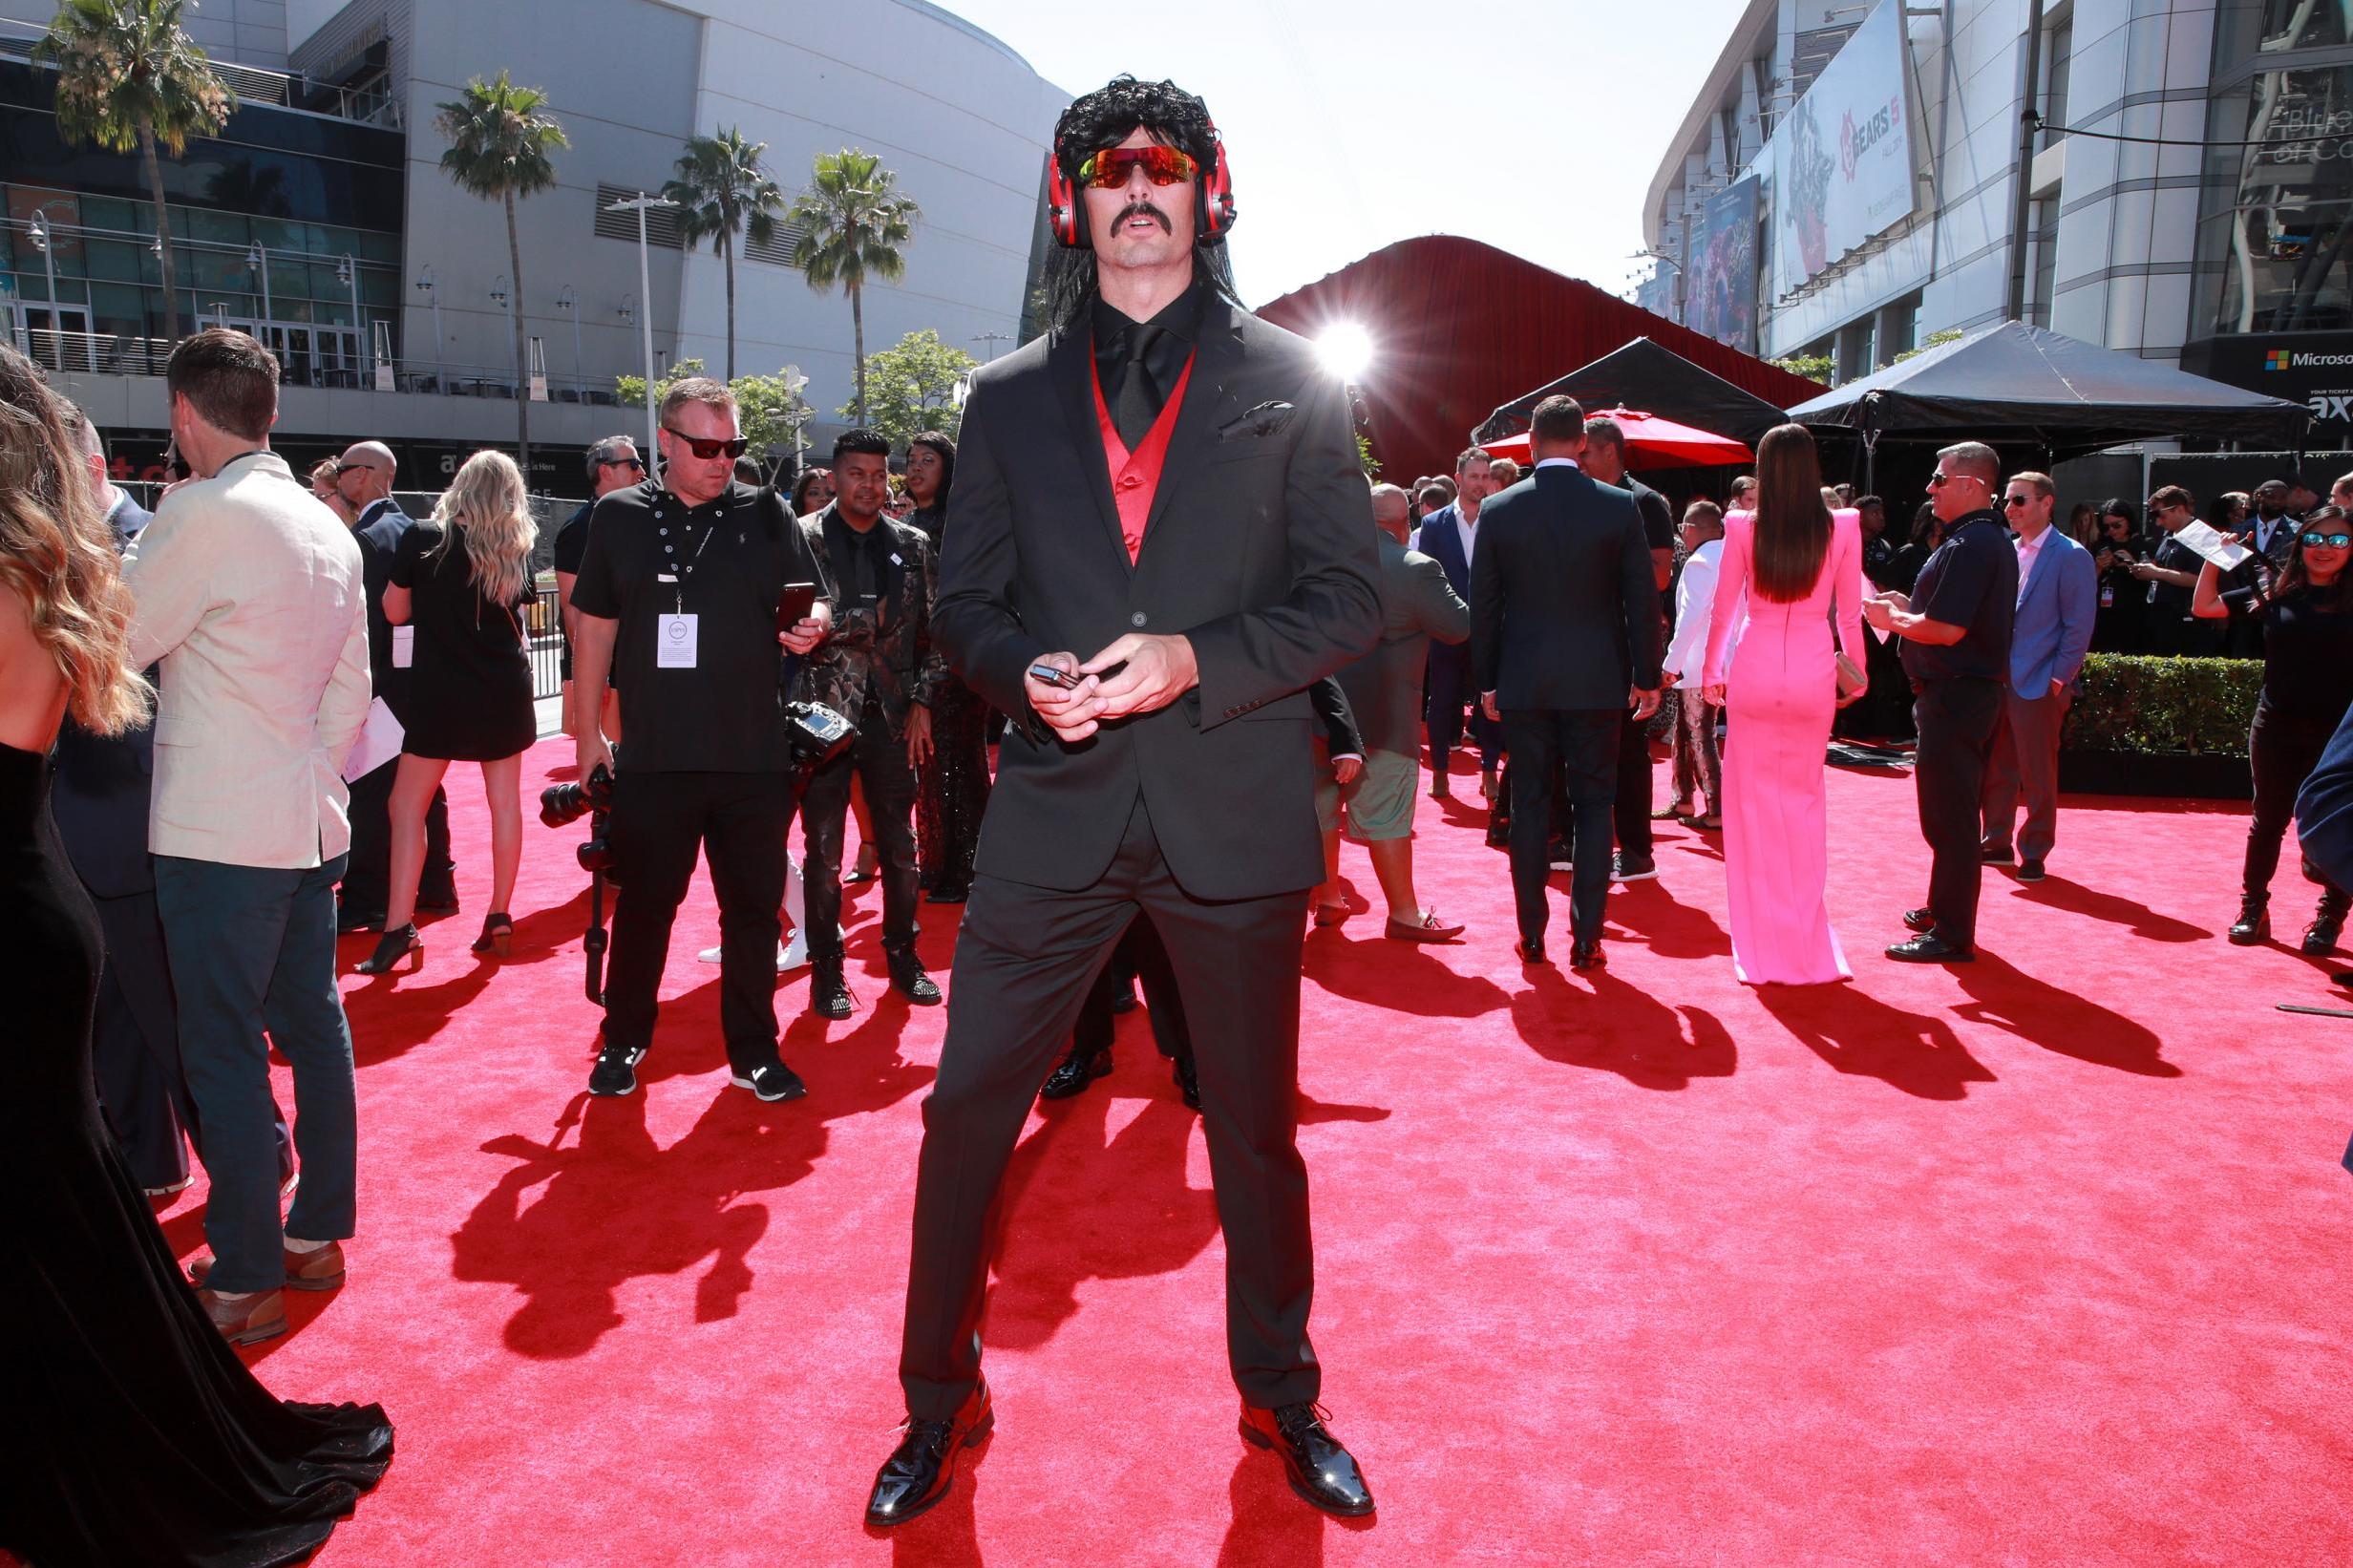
pixel 1216 214
pixel 1062 209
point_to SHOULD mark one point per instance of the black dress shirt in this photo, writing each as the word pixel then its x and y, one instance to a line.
pixel 865 571
pixel 1971 582
pixel 1140 362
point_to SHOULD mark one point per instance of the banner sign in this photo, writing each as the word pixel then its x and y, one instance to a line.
pixel 2314 369
pixel 1720 275
pixel 1842 159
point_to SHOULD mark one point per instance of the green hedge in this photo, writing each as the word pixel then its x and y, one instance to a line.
pixel 2198 706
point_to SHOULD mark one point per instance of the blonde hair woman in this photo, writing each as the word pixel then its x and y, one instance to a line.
pixel 463 579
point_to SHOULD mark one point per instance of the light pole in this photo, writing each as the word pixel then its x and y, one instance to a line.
pixel 498 297
pixel 37 230
pixel 347 273
pixel 640 205
pixel 568 302
pixel 431 285
pixel 992 339
pixel 256 262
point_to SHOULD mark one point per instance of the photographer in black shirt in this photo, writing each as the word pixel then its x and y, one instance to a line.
pixel 679 589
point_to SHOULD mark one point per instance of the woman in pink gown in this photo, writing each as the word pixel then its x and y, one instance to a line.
pixel 1780 693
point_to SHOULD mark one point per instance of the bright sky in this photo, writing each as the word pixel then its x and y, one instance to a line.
pixel 1354 124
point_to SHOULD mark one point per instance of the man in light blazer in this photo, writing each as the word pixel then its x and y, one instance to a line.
pixel 249 592
pixel 2058 596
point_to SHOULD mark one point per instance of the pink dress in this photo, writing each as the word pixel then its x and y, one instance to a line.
pixel 1779 699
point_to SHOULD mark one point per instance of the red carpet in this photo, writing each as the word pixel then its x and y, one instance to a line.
pixel 2044 1261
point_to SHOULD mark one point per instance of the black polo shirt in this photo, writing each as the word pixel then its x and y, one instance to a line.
pixel 1972 582
pixel 650 558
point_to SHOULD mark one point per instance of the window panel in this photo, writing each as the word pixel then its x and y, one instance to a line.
pixel 2276 253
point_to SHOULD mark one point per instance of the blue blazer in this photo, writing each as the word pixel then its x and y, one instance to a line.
pixel 2054 619
pixel 1443 544
pixel 100 794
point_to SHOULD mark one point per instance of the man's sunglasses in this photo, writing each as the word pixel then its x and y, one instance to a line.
pixel 636 463
pixel 1108 169
pixel 2331 541
pixel 2008 502
pixel 708 450
pixel 1940 479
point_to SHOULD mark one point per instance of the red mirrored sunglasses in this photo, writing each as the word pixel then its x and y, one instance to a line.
pixel 1108 169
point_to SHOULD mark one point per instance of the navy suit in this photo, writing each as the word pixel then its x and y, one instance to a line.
pixel 366 882
pixel 99 800
pixel 1447 687
pixel 2324 819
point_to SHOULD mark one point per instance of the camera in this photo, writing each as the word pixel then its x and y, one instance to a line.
pixel 818 734
pixel 564 804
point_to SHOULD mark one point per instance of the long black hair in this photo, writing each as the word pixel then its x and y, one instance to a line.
pixel 1104 119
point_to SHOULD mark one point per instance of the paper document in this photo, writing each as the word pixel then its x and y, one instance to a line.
pixel 2223 551
pixel 379 743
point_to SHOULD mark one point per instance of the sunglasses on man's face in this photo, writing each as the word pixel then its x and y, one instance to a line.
pixel 1940 479
pixel 707 451
pixel 2008 502
pixel 1108 169
pixel 2327 542
pixel 634 464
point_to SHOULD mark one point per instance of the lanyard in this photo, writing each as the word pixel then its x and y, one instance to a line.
pixel 686 571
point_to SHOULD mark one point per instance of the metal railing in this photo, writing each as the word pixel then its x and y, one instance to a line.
pixel 112 354
pixel 370 103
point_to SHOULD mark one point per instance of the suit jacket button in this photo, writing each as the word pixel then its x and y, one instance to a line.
pixel 1137 619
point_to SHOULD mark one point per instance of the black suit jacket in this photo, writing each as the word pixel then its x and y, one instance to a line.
pixel 1258 547
pixel 103 783
pixel 1564 610
pixel 379 539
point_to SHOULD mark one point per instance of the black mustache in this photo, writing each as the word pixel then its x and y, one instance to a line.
pixel 1150 211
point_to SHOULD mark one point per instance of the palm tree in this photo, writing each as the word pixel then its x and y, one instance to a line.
pixel 723 189
pixel 129 79
pixel 852 223
pixel 500 136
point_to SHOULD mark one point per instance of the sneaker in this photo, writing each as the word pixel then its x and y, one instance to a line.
pixel 1632 868
pixel 829 995
pixel 615 1070
pixel 770 1081
pixel 908 979
pixel 1557 854
pixel 2030 871
pixel 1995 855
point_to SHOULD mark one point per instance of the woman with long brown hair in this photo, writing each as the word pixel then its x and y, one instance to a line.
pixel 1790 568
pixel 132 1433
pixel 463 579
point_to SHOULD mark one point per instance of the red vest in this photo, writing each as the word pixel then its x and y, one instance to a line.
pixel 1135 475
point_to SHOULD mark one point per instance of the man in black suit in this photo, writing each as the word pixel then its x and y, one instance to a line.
pixel 100 800
pixel 1158 503
pixel 1564 643
pixel 364 479
pixel 1606 461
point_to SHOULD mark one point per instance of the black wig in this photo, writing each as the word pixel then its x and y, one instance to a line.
pixel 1104 119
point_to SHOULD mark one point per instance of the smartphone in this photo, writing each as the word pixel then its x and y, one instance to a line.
pixel 1054 675
pixel 799 599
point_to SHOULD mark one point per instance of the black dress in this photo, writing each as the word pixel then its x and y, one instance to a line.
pixel 469 687
pixel 954 788
pixel 130 1432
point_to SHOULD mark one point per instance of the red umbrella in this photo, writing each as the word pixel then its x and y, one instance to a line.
pixel 1651 442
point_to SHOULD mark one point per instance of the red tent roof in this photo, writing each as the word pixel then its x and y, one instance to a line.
pixel 1460 328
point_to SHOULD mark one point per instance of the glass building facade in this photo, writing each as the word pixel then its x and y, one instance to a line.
pixel 288 226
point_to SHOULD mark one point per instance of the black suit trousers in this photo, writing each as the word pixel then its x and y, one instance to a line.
pixel 1140 955
pixel 368 882
pixel 1579 745
pixel 1957 721
pixel 1447 688
pixel 738 822
pixel 135 1044
pixel 1024 961
pixel 881 763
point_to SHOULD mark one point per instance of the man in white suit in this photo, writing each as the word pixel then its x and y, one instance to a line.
pixel 250 593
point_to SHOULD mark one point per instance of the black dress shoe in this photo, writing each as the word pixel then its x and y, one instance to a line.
pixel 1995 857
pixel 923 1467
pixel 1922 919
pixel 1187 1082
pixel 1587 955
pixel 950 894
pixel 1074 1075
pixel 1318 1468
pixel 829 995
pixel 349 919
pixel 2030 871
pixel 2254 922
pixel 1530 952
pixel 438 906
pixel 1930 948
pixel 1123 1000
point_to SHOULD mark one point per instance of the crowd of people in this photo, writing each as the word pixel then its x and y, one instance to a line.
pixel 738 657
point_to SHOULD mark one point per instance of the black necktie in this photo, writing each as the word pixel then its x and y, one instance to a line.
pixel 1138 400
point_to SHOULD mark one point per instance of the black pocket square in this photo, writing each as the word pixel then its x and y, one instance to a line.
pixel 1265 420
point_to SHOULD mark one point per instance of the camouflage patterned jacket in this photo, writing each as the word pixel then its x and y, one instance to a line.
pixel 898 663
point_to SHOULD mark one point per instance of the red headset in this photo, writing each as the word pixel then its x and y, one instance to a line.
pixel 1212 212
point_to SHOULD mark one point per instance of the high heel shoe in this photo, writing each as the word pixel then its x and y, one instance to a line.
pixel 497 933
pixel 392 948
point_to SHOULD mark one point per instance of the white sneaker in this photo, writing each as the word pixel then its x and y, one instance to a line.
pixel 790 955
